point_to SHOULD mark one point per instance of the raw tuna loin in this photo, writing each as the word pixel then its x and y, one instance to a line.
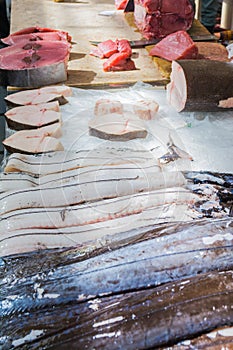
pixel 175 46
pixel 158 18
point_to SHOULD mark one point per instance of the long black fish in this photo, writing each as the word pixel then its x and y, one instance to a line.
pixel 144 319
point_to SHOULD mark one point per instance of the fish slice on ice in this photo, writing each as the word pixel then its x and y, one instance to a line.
pixel 33 116
pixel 35 141
pixel 117 127
pixel 42 95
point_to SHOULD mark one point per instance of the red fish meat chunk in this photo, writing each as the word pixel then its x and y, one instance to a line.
pixel 123 45
pixel 175 46
pixel 105 49
pixel 35 37
pixel 119 62
pixel 33 32
pixel 158 18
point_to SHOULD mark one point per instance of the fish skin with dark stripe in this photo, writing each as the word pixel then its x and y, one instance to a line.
pixel 150 259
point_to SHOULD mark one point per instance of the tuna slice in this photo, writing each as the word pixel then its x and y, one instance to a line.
pixel 158 18
pixel 117 127
pixel 34 64
pixel 228 103
pixel 42 95
pixel 105 49
pixel 175 46
pixel 118 54
pixel 119 62
pixel 35 141
pixel 123 45
pixel 33 116
pixel 199 85
pixel 34 34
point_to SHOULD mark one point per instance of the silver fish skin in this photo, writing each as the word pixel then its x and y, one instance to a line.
pixel 149 260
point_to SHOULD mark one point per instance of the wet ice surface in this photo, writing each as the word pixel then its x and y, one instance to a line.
pixel 206 137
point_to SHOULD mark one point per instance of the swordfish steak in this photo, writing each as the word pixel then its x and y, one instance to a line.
pixel 35 140
pixel 33 116
pixel 34 64
pixel 39 96
pixel 117 127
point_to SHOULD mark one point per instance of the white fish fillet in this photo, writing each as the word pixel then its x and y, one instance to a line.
pixel 146 109
pixel 26 240
pixel 16 181
pixel 106 106
pixel 88 188
pixel 63 161
pixel 94 212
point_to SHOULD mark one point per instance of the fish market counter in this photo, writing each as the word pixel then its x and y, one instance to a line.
pixel 120 244
pixel 97 21
pixel 116 210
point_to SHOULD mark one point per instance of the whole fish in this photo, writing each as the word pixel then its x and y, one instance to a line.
pixel 143 319
pixel 134 260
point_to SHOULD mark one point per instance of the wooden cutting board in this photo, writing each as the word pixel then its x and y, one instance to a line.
pixel 89 20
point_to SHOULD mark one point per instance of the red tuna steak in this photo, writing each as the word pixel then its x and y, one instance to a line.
pixel 175 46
pixel 35 64
pixel 158 18
pixel 33 116
pixel 34 34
